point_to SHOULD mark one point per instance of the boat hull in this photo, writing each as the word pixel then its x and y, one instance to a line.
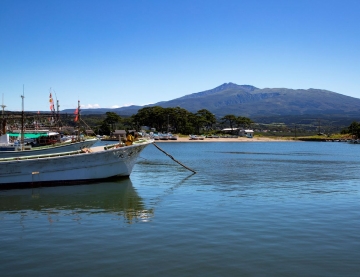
pixel 70 166
pixel 50 149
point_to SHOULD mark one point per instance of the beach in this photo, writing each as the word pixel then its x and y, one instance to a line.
pixel 239 139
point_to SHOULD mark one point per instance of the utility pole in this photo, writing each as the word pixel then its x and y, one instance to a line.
pixel 168 124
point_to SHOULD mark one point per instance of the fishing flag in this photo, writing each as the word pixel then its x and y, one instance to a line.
pixel 52 107
pixel 76 114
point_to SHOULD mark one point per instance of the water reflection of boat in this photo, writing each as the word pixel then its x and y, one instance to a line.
pixel 118 198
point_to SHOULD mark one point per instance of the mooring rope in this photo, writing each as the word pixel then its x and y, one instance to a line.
pixel 171 157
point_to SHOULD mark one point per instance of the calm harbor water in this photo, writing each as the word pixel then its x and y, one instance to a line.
pixel 252 209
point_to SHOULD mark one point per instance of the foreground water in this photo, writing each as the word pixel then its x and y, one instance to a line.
pixel 252 209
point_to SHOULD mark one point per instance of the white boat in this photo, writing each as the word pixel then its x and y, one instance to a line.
pixel 193 137
pixel 97 163
pixel 163 136
pixel 39 142
pixel 173 137
pixel 16 149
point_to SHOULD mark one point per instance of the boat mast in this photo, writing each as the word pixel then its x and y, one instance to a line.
pixel 3 106
pixel 52 109
pixel 3 119
pixel 22 120
pixel 57 113
pixel 78 119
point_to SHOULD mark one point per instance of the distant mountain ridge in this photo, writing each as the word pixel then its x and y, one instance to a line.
pixel 221 88
pixel 250 101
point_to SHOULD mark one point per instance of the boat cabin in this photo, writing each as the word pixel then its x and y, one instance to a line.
pixel 119 135
pixel 36 137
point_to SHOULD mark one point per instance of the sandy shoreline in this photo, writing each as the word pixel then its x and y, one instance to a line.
pixel 239 139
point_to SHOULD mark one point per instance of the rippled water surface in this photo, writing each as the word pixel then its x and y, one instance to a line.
pixel 252 209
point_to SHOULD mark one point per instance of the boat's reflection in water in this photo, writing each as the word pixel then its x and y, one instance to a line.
pixel 116 198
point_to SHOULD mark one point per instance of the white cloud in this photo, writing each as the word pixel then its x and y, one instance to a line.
pixel 90 106
pixel 127 105
pixel 124 105
pixel 97 106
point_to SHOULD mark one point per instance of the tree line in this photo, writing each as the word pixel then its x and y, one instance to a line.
pixel 175 120
pixel 353 129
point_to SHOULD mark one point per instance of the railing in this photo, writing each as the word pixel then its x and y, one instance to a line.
pixel 35 157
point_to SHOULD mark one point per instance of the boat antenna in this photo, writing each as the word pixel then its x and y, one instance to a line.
pixel 22 118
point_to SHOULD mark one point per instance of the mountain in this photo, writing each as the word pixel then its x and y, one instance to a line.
pixel 250 101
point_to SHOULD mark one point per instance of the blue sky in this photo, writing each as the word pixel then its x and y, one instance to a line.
pixel 118 53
